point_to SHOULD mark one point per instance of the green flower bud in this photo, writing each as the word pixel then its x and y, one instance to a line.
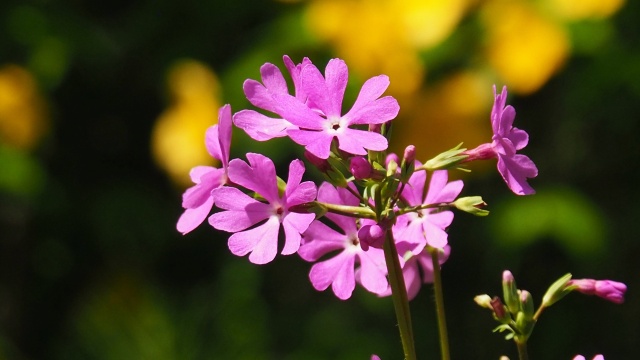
pixel 510 292
pixel 556 291
pixel 446 160
pixel 471 204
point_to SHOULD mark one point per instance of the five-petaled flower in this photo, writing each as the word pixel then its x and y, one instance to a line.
pixel 427 226
pixel 243 212
pixel 340 271
pixel 313 118
pixel 506 141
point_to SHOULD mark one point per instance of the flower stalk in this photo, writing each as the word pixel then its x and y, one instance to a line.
pixel 399 297
pixel 439 297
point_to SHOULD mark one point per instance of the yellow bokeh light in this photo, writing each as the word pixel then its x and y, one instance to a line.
pixel 177 139
pixel 385 36
pixel 23 115
pixel 455 110
pixel 584 9
pixel 523 47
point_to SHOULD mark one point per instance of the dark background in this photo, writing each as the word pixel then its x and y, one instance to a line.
pixel 91 266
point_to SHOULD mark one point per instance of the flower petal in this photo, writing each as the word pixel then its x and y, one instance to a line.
pixel 260 127
pixel 259 176
pixel 356 141
pixel 261 241
pixel 192 218
pixel 318 240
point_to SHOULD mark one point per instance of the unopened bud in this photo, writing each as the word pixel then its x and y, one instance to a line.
pixel 360 167
pixel 526 303
pixel 471 204
pixel 371 235
pixel 606 289
pixel 392 167
pixel 559 289
pixel 510 292
pixel 446 160
pixel 484 301
pixel 499 310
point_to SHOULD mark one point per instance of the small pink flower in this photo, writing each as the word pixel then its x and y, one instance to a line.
pixel 243 212
pixel 427 226
pixel 506 141
pixel 350 262
pixel 198 200
pixel 313 117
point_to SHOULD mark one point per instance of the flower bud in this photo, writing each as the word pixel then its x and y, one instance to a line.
pixel 471 204
pixel 360 167
pixel 408 166
pixel 446 160
pixel 510 292
pixel 526 303
pixel 484 301
pixel 500 311
pixel 557 290
pixel 611 290
pixel 371 235
pixel 524 326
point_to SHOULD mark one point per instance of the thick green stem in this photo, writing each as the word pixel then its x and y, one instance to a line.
pixel 522 350
pixel 442 319
pixel 399 296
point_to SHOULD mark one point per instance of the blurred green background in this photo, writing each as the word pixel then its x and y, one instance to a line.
pixel 103 107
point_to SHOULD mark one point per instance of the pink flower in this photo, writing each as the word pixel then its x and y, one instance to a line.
pixel 313 117
pixel 606 289
pixel 506 141
pixel 427 226
pixel 198 200
pixel 580 357
pixel 261 127
pixel 350 263
pixel 243 212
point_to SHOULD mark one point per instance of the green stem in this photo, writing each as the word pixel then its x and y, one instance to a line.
pixel 442 320
pixel 522 350
pixel 352 211
pixel 399 296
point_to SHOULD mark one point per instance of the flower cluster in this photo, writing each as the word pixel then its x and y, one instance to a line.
pixel 378 219
pixel 368 195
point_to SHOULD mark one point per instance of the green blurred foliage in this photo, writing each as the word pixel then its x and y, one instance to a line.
pixel 91 266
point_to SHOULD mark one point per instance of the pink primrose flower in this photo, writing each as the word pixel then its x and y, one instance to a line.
pixel 313 117
pixel 350 263
pixel 198 200
pixel 243 212
pixel 506 141
pixel 261 127
pixel 427 226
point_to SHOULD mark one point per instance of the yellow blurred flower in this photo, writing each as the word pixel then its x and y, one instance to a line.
pixel 177 139
pixel 385 36
pixel 584 9
pixel 455 110
pixel 524 47
pixel 23 115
